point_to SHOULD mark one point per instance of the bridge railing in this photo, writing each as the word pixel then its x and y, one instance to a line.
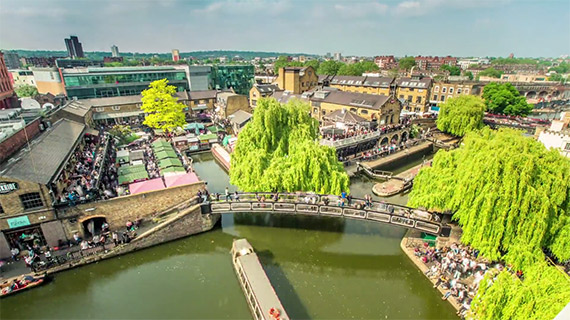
pixel 330 205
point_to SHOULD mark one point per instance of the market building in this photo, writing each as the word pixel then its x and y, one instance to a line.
pixel 414 92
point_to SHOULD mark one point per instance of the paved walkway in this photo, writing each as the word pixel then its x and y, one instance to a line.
pixel 398 155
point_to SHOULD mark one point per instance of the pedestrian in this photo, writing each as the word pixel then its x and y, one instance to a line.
pixel 15 252
pixel 115 238
pixel 236 196
pixel 228 197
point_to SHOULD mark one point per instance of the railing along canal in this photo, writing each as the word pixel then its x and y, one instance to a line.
pixel 323 205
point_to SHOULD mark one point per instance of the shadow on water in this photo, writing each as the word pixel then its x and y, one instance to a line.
pixel 290 221
pixel 283 287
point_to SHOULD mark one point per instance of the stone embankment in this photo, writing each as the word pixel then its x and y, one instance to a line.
pixel 397 183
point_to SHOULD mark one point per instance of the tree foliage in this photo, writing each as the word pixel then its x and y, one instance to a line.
pixel 541 295
pixel 504 98
pixel 123 133
pixel 453 70
pixel 509 194
pixel 514 61
pixel 490 72
pixel 279 151
pixel 162 108
pixel 460 115
pixel 468 74
pixel 26 91
pixel 330 67
pixel 358 68
pixel 407 63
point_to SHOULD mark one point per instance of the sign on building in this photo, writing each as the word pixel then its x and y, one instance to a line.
pixel 7 187
pixel 18 222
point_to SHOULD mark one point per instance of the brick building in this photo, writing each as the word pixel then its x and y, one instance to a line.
pixel 386 62
pixel 434 63
pixel 8 98
pixel 297 79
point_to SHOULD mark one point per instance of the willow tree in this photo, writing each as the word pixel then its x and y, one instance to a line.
pixel 541 294
pixel 460 115
pixel 510 195
pixel 278 150
pixel 162 107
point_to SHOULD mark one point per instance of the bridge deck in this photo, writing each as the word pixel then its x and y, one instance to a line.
pixel 328 205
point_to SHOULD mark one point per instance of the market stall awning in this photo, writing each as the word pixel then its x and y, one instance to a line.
pixel 194 126
pixel 114 115
pixel 172 171
pixel 159 143
pixel 215 129
pixel 136 155
pixel 130 177
pixel 145 186
pixel 200 107
pixel 162 148
pixel 208 137
pixel 182 179
pixel 122 159
pixel 165 163
pixel 130 169
pixel 165 154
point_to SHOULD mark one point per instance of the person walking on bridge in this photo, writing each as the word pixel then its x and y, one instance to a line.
pixel 228 197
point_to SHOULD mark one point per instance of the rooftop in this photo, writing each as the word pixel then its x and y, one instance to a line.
pixel 266 88
pixel 240 117
pixel 202 94
pixel 362 100
pixel 421 83
pixel 47 155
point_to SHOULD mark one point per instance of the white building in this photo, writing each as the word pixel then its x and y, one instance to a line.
pixel 22 77
pixel 558 136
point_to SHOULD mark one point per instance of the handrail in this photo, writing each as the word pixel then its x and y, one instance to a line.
pixel 301 198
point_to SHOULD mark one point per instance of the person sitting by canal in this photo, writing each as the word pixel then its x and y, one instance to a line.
pixel 76 238
pixel 276 197
pixel 199 195
pixel 368 200
pixel 115 238
pixel 262 200
pixel 129 225
pixel 104 227
pixel 47 253
pixel 326 201
pixel 217 195
pixel 349 199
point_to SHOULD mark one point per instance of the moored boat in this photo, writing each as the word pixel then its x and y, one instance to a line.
pixel 21 284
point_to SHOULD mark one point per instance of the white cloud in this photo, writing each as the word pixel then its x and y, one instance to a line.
pixel 361 9
pixel 424 7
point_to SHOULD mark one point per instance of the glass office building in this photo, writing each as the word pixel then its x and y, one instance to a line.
pixel 238 77
pixel 112 82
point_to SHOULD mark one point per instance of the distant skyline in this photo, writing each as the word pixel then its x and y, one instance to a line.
pixel 363 28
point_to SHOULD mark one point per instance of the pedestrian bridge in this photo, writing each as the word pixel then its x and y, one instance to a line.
pixel 327 205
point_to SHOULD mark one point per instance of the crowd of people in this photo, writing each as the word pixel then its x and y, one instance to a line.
pixel 90 176
pixel 457 270
pixel 359 130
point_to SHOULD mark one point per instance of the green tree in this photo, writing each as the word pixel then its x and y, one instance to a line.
pixel 26 91
pixel 358 68
pixel 490 72
pixel 162 108
pixel 312 63
pixel 504 98
pixel 330 67
pixel 281 62
pixel 460 115
pixel 510 195
pixel 542 294
pixel 407 63
pixel 278 150
pixel 468 74
pixel 123 133
pixel 453 70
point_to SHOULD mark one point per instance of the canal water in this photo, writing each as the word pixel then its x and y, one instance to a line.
pixel 321 268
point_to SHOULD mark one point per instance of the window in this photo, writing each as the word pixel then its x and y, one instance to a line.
pixel 466 91
pixel 315 110
pixel 458 90
pixel 363 111
pixel 444 89
pixel 442 98
pixel 31 200
pixel 324 112
pixel 436 89
pixel 435 97
pixel 410 98
pixel 567 147
pixel 116 108
pixel 1 209
pixel 99 109
pixel 450 90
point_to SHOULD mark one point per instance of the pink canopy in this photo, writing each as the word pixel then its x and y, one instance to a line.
pixel 148 185
pixel 181 179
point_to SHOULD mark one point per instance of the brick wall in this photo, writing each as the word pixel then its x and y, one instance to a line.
pixel 16 141
pixel 118 210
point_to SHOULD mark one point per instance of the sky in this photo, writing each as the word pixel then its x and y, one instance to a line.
pixel 353 27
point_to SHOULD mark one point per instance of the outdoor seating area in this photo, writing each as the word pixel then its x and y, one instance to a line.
pixel 88 175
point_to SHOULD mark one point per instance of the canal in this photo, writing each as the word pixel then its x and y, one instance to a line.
pixel 320 267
